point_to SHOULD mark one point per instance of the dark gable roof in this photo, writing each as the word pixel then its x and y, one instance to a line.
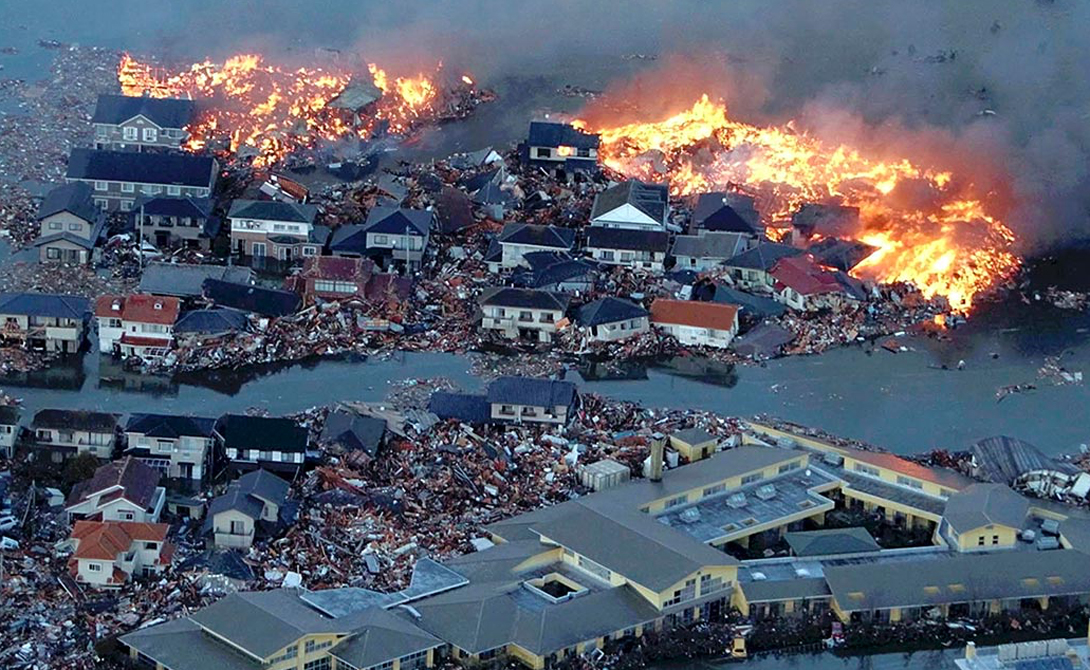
pixel 194 208
pixel 163 112
pixel 78 240
pixel 546 134
pixel 353 432
pixel 531 391
pixel 141 167
pixel 651 199
pixel 75 199
pixel 528 298
pixel 264 301
pixel 629 240
pixel 541 236
pixel 466 407
pixel 170 425
pixel 9 415
pixel 257 432
pixel 211 321
pixel 136 479
pixel 984 505
pixel 273 210
pixel 608 310
pixel 713 245
pixel 382 635
pixel 95 422
pixel 187 280
pixel 561 271
pixel 763 256
pixel 264 485
pixel 351 238
pixel 45 304
pixel 829 542
pixel 399 221
pixel 730 212
pixel 235 499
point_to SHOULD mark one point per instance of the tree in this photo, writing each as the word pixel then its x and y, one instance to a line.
pixel 81 467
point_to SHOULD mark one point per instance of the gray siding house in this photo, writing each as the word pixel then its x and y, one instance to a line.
pixel 130 123
pixel 70 225
pixel 43 321
pixel 120 177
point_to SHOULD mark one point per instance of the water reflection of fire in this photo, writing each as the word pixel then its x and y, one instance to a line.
pixel 953 248
pixel 271 111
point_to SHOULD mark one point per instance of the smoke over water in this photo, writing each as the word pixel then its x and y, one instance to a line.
pixel 996 92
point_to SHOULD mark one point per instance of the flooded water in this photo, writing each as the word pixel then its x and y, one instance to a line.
pixel 924 660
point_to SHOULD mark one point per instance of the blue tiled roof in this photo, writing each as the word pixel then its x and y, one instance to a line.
pixel 163 112
pixel 141 167
pixel 45 304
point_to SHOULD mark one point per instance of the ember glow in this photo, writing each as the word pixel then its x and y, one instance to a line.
pixel 954 248
pixel 271 111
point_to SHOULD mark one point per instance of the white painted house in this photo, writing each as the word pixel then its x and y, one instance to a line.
pixel 125 490
pixel 704 324
pixel 136 325
pixel 634 205
pixel 107 554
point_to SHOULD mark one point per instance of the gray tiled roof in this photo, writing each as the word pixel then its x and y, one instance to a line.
pixel 141 167
pixel 711 245
pixel 383 635
pixel 608 310
pixel 273 210
pixel 831 541
pixel 985 504
pixel 531 391
pixel 651 199
pixel 45 304
pixel 527 298
pixel 186 280
pixel 163 112
pixel 73 198
pixel 182 645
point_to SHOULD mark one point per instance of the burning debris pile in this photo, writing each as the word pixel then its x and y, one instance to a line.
pixel 268 112
pixel 952 247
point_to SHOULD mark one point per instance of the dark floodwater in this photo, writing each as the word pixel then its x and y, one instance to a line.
pixel 928 660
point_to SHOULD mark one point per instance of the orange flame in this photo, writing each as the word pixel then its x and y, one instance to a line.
pixel 274 111
pixel 955 250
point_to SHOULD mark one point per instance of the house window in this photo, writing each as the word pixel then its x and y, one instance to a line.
pixel 755 477
pixel 238 528
pixel 712 490
pixel 94 567
pixel 626 256
pixel 319 664
pixel 289 654
pixel 866 469
pixel 174 190
pixel 309 251
pixel 129 134
pixel 102 203
pixel 382 239
pixel 98 439
pixel 583 153
pixel 52 253
pixel 995 540
pixel 127 187
pixel 416 661
pixel 607 255
pixel 150 134
pixel 313 646
pixel 544 152
pixel 165 445
pixel 126 205
pixel 788 467
pixel 102 131
pixel 126 516
pixel 980 541
pixel 526 316
pixel 114 323
pixel 102 186
pixel 679 500
pixel 151 546
pixel 908 481
pixel 258 249
pixel 507 409
pixel 202 192
pixel 56 225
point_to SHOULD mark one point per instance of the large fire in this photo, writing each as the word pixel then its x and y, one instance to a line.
pixel 953 248
pixel 269 111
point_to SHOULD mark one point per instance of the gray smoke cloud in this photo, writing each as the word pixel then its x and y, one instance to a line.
pixel 997 89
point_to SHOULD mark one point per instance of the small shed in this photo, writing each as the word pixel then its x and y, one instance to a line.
pixel 604 474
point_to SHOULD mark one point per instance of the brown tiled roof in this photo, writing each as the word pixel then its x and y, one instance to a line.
pixel 137 480
pixel 693 313
pixel 139 308
pixel 805 276
pixel 104 540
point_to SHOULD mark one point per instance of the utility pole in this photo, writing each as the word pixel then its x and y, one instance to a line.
pixel 140 234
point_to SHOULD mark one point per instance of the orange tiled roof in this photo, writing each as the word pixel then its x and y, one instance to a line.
pixel 104 540
pixel 693 313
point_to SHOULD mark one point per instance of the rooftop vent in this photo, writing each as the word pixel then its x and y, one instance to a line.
pixel 758 576
pixel 737 501
pixel 766 492
pixel 691 515
pixel 802 572
pixel 833 458
pixel 158 305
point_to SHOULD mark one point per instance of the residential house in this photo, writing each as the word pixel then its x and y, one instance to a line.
pixel 281 629
pixel 524 313
pixel 167 222
pixel 124 490
pixel 804 285
pixel 202 327
pixel 708 250
pixel 273 229
pixel 751 269
pixel 611 319
pixel 639 249
pixel 632 205
pixel 694 444
pixel 354 437
pixel 131 123
pixel 253 299
pixel 984 517
pixel 726 212
pixel 558 273
pixel 468 408
pixel 70 225
pixel 332 278
pixel 9 429
pixel 531 400
pixel 186 280
pixel 518 239
pixel 63 433
pixel 119 177
pixel 179 447
pixel 391 236
pixel 43 321
pixel 694 323
pixel 108 554
pixel 561 145
pixel 250 504
pixel 252 442
pixel 136 325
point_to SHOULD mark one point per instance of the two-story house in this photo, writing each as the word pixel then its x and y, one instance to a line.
pixel 751 269
pixel 726 212
pixel 248 506
pixel 9 429
pixel 611 319
pixel 273 229
pixel 708 250
pixel 136 325
pixel 180 447
pixel 531 400
pixel 518 239
pixel 391 236
pixel 705 324
pixel 524 313
pixel 43 321
pixel 108 554
pixel 70 225
pixel 632 205
pixel 131 123
pixel 124 490
pixel 168 222
pixel 331 278
pixel 63 433
pixel 802 284
pixel 120 177
pixel 561 145
pixel 252 442
pixel 638 249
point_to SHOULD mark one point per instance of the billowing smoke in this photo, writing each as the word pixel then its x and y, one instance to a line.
pixel 1000 84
